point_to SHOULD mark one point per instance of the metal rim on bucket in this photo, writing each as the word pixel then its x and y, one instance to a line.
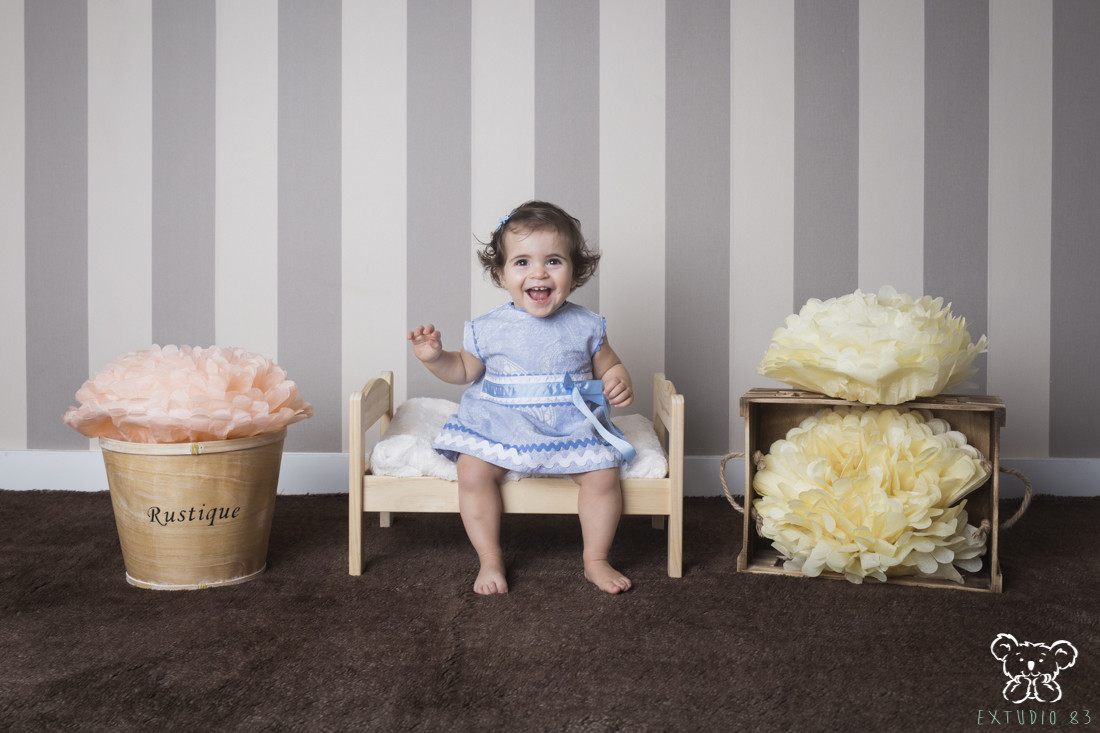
pixel 194 449
pixel 154 585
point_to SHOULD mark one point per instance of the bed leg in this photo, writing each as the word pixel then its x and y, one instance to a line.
pixel 355 531
pixel 385 519
pixel 356 466
pixel 675 545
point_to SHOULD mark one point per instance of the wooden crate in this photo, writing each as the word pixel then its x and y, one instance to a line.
pixel 770 413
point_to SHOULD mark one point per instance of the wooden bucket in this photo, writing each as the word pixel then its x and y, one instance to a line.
pixel 193 515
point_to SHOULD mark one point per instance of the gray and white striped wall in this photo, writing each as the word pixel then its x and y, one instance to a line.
pixel 306 179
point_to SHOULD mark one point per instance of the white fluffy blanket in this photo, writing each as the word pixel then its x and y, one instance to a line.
pixel 406 449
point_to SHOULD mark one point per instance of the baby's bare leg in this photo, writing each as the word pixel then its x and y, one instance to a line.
pixel 479 504
pixel 599 504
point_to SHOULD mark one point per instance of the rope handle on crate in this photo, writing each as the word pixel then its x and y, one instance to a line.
pixel 1027 497
pixel 725 486
pixel 985 524
pixel 759 457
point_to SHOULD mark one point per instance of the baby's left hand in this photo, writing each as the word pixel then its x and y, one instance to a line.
pixel 618 391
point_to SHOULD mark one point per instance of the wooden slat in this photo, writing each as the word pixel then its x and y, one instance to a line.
pixel 973 582
pixel 950 402
pixel 525 496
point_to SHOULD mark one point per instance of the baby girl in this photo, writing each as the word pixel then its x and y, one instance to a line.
pixel 530 405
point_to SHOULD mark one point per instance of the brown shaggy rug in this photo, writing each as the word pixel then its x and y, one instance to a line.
pixel 409 646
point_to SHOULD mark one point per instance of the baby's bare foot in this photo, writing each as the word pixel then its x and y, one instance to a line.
pixel 490 578
pixel 606 578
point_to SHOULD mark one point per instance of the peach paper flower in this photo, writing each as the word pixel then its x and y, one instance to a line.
pixel 880 349
pixel 872 492
pixel 187 394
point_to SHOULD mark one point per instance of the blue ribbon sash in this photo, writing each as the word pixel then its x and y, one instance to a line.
pixel 551 389
pixel 591 390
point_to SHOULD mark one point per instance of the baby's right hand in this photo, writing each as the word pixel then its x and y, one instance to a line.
pixel 427 343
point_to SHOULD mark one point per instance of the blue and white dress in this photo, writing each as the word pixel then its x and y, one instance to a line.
pixel 520 414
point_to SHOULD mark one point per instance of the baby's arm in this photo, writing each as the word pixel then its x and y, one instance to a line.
pixel 616 380
pixel 453 367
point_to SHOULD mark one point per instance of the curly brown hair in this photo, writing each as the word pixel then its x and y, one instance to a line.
pixel 535 216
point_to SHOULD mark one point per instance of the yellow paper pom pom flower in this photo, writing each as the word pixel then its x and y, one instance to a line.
pixel 881 349
pixel 872 492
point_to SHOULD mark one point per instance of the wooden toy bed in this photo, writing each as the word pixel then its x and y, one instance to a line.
pixel 661 498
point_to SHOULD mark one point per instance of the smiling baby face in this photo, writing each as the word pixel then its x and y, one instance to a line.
pixel 537 272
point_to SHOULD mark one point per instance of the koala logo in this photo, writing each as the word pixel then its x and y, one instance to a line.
pixel 1032 668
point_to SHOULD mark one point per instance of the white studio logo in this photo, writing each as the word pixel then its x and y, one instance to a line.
pixel 1032 668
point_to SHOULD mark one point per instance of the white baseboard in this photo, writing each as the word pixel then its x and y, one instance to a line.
pixel 327 473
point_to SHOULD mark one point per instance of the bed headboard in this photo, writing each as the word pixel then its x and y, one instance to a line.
pixel 375 402
pixel 668 418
